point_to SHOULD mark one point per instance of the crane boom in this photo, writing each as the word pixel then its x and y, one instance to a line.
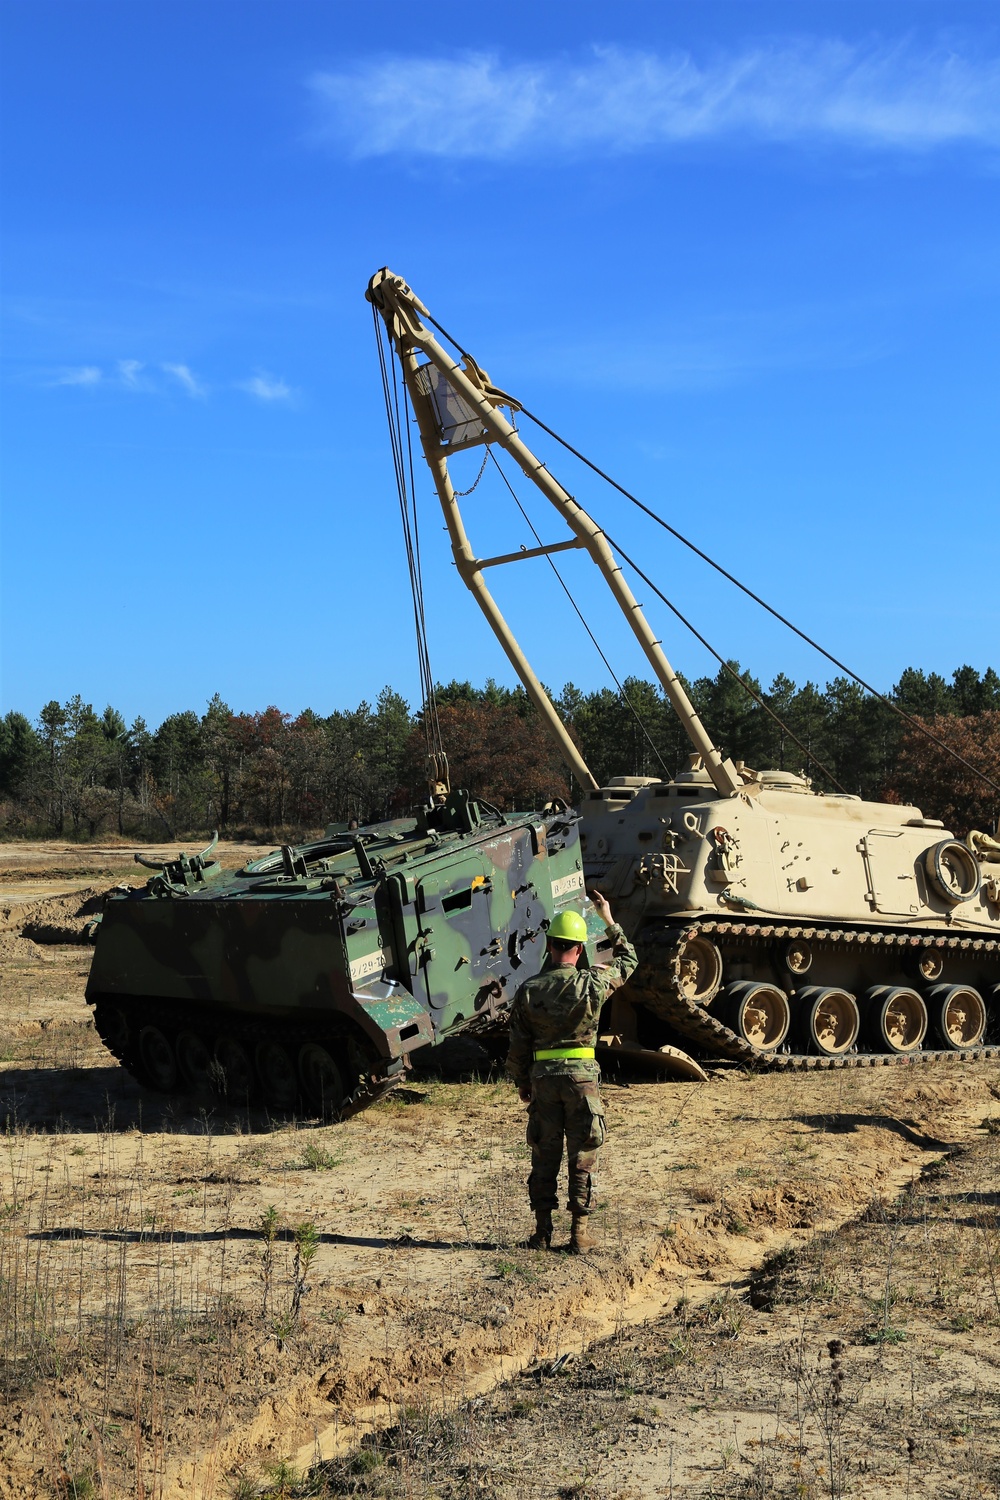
pixel 456 407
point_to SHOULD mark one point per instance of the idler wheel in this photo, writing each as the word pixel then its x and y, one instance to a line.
pixel 320 1077
pixel 195 1063
pixel 896 1018
pixel 233 1071
pixel 958 1015
pixel 829 1019
pixel 278 1077
pixel 699 970
pixel 797 956
pixel 111 1024
pixel 157 1060
pixel 759 1013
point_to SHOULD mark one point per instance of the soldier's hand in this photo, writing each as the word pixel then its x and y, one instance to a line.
pixel 524 1095
pixel 600 904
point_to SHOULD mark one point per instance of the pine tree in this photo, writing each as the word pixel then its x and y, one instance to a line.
pixel 21 749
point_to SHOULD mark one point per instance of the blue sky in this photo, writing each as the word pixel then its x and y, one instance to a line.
pixel 746 256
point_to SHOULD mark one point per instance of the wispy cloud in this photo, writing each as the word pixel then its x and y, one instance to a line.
pixel 129 371
pixel 136 375
pixel 82 375
pixel 182 374
pixel 265 387
pixel 478 105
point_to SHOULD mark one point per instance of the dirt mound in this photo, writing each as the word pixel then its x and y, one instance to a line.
pixel 55 919
pixel 861 1362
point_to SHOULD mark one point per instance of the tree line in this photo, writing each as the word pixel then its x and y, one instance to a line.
pixel 75 773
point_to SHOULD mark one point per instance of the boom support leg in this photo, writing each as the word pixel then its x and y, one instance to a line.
pixel 401 311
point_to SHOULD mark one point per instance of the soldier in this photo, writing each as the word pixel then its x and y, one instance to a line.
pixel 553 1027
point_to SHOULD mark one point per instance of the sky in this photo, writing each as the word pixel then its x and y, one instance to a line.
pixel 745 256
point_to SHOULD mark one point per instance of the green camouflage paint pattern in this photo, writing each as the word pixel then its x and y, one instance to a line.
pixel 407 932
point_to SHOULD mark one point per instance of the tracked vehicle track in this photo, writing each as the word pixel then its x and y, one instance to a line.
pixel 658 986
pixel 119 1024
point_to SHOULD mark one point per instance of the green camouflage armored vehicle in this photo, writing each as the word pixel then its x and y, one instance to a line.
pixel 309 976
pixel 774 924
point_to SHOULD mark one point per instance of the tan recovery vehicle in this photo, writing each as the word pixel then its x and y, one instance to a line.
pixel 775 925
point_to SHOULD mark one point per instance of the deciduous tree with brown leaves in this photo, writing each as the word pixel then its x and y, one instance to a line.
pixel 940 785
pixel 501 755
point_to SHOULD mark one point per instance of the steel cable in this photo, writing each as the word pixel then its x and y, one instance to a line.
pixel 397 423
pixel 757 697
pixel 579 614
pixel 908 719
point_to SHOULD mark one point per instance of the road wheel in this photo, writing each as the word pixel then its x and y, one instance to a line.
pixel 699 972
pixel 829 1019
pixel 195 1063
pixel 958 1015
pixel 156 1057
pixel 895 1018
pixel 320 1078
pixel 759 1013
pixel 235 1079
pixel 279 1080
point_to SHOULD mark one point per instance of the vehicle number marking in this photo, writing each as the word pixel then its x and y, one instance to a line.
pixel 567 883
pixel 368 964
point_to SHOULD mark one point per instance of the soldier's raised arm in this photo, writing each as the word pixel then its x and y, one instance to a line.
pixel 623 956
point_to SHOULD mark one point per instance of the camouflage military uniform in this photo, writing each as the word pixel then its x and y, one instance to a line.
pixel 557 1009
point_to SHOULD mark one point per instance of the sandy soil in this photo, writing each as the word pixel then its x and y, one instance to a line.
pixel 191 1298
pixel 30 869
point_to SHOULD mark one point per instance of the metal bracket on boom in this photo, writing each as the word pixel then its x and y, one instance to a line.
pixel 524 552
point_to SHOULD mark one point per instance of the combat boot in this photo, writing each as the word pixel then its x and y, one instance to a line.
pixel 542 1237
pixel 579 1240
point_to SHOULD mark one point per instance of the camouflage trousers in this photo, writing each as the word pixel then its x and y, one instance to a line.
pixel 562 1105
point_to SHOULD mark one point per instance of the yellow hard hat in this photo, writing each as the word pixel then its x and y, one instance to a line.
pixel 569 927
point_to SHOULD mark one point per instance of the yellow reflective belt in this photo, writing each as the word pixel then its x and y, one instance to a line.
pixel 549 1053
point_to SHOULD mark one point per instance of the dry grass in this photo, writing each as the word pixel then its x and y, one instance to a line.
pixel 145 1306
pixel 108 1309
pixel 862 1364
pixel 179 1285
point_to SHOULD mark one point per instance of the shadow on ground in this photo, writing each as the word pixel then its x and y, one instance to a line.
pixel 94 1100
pixel 843 1123
pixel 215 1236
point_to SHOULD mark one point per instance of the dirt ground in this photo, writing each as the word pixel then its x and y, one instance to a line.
pixel 797 1290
